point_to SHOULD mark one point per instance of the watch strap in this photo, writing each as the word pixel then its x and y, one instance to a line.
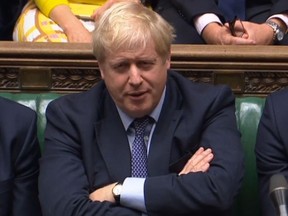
pixel 276 29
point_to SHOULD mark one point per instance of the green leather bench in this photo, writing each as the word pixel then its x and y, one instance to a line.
pixel 248 112
pixel 37 102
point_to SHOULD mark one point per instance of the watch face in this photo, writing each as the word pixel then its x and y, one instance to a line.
pixel 280 35
pixel 117 190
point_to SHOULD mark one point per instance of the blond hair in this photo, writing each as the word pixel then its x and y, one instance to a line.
pixel 130 26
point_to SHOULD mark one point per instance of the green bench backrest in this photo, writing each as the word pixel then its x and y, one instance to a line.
pixel 37 102
pixel 248 113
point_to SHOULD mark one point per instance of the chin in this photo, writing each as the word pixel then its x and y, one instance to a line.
pixel 139 113
pixel 137 110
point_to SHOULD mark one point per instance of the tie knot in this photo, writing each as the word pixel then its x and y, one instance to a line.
pixel 140 124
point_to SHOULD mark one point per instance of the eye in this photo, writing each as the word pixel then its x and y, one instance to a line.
pixel 121 66
pixel 145 64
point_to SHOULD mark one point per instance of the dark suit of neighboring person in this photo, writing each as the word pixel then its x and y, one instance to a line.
pixel 86 147
pixel 19 154
pixel 272 146
pixel 9 13
pixel 180 13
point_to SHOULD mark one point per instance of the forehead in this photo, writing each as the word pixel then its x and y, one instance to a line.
pixel 144 51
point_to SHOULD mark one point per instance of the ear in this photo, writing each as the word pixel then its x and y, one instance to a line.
pixel 168 61
pixel 101 71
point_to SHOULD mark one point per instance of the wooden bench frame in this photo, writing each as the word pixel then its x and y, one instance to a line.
pixel 71 67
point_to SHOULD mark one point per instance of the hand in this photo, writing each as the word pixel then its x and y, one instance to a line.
pixel 199 162
pixel 103 194
pixel 95 16
pixel 262 34
pixel 237 29
pixel 214 33
pixel 80 34
pixel 71 25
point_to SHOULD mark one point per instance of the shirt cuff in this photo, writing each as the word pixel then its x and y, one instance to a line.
pixel 202 21
pixel 283 17
pixel 132 194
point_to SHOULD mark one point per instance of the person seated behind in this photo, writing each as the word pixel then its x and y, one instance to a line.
pixel 148 140
pixel 271 146
pixel 9 12
pixel 19 154
pixel 200 22
pixel 60 20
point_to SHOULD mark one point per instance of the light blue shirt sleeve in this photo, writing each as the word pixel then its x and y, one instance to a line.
pixel 132 194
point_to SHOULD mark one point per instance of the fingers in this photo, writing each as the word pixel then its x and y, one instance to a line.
pixel 243 37
pixel 98 13
pixel 103 194
pixel 199 162
pixel 242 41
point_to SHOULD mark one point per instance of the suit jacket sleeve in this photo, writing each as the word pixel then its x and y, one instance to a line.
pixel 19 155
pixel 212 192
pixel 272 146
pixel 192 8
pixel 25 201
pixel 280 6
pixel 260 10
pixel 63 183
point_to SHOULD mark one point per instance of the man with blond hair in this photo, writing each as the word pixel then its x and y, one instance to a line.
pixel 145 140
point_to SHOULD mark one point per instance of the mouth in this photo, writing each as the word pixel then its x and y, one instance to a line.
pixel 137 95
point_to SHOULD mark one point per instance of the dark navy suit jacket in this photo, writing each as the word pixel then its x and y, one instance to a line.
pixel 272 146
pixel 180 13
pixel 86 147
pixel 19 154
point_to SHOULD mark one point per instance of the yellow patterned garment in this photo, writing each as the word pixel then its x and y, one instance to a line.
pixel 77 6
pixel 34 25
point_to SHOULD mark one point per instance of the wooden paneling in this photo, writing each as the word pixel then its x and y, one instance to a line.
pixel 71 67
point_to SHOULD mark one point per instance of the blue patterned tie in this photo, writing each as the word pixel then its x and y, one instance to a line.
pixel 139 151
pixel 232 8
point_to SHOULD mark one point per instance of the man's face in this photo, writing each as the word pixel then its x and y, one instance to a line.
pixel 135 79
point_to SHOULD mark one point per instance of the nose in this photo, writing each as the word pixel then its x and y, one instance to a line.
pixel 135 77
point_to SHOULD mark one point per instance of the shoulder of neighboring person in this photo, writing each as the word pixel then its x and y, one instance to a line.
pixel 279 100
pixel 10 109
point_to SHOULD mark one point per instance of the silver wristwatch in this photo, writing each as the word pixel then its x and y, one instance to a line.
pixel 278 31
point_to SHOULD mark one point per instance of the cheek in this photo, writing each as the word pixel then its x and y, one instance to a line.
pixel 115 84
pixel 160 77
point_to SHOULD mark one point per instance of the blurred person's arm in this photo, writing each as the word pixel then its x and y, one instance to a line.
pixel 71 25
pixel 60 12
pixel 210 27
pixel 264 34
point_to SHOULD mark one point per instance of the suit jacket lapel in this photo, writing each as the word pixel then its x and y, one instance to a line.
pixel 113 144
pixel 111 137
pixel 160 147
pixel 161 142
